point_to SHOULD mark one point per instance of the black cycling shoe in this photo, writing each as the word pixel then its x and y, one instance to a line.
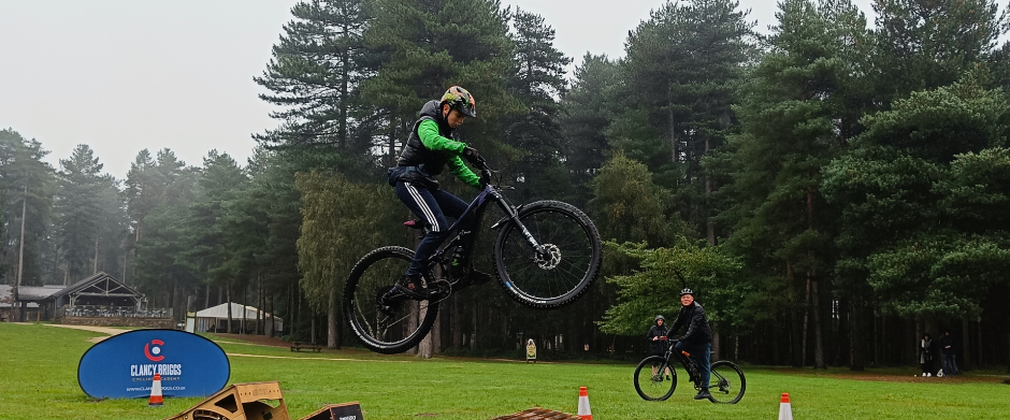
pixel 703 395
pixel 412 286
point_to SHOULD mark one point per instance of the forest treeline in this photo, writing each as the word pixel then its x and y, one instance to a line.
pixel 832 189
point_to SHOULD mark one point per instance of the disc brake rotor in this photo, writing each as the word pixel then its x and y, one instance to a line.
pixel 550 258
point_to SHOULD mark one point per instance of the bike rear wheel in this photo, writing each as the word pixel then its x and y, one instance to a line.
pixel 727 383
pixel 568 264
pixel 384 319
pixel 654 387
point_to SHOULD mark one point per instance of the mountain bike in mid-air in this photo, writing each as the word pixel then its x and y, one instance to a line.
pixel 726 384
pixel 546 255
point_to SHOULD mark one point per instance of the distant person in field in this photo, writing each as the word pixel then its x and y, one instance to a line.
pixel 948 355
pixel 657 341
pixel 926 355
pixel 697 340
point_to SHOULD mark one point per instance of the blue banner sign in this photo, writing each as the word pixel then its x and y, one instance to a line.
pixel 123 366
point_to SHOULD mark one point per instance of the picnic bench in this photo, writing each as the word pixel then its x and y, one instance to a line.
pixel 297 346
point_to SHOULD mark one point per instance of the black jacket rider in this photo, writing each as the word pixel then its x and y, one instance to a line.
pixel 698 331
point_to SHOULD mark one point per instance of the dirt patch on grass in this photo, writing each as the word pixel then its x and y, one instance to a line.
pixel 104 330
pixel 261 340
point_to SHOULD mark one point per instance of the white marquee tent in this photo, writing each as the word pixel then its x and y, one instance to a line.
pixel 215 318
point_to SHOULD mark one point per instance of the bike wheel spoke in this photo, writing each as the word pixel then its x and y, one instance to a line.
pixel 654 386
pixel 384 319
pixel 568 264
pixel 727 383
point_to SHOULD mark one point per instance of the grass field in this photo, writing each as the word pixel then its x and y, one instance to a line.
pixel 38 380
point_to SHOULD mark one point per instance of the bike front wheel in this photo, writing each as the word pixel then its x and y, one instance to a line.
pixel 565 266
pixel 727 383
pixel 384 319
pixel 655 386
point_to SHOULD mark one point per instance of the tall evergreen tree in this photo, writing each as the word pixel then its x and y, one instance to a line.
pixel 151 184
pixel 587 110
pixel 141 190
pixel 113 232
pixel 314 75
pixel 271 205
pixel 222 181
pixel 926 44
pixel 888 191
pixel 682 67
pixel 790 115
pixel 79 209
pixel 537 82
pixel 26 191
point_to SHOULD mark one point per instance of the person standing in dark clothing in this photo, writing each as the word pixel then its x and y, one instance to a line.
pixel 697 340
pixel 948 355
pixel 657 341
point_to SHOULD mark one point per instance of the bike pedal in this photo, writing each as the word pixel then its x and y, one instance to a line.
pixel 439 290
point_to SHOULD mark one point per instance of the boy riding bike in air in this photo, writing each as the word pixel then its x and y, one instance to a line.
pixel 429 149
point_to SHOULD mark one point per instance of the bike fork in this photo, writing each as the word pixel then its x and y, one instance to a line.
pixel 513 215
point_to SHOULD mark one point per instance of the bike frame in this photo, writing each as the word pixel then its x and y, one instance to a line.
pixel 493 193
pixel 685 360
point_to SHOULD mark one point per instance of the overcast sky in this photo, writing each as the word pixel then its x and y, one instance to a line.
pixel 125 75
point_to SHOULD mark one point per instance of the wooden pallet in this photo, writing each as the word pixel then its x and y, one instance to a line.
pixel 538 413
pixel 247 401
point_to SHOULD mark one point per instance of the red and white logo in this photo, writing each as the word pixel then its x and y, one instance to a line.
pixel 154 353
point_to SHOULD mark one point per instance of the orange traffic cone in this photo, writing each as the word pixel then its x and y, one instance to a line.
pixel 155 392
pixel 785 408
pixel 584 412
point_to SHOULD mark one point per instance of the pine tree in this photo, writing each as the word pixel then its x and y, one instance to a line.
pixel 314 75
pixel 537 82
pixel 79 209
pixel 141 190
pixel 926 44
pixel 588 108
pixel 26 191
pixel 790 114
pixel 682 68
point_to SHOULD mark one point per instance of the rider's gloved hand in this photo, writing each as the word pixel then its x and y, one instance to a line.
pixel 471 154
pixel 662 338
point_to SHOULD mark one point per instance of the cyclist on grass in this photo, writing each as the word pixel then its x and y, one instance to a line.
pixel 430 147
pixel 697 340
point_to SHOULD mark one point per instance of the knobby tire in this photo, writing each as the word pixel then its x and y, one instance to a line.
pixel 648 386
pixel 727 383
pixel 558 277
pixel 404 322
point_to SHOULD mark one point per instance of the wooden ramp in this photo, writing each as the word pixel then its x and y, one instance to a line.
pixel 538 413
pixel 347 411
pixel 248 401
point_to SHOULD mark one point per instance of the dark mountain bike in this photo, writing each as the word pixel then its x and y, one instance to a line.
pixel 726 385
pixel 546 255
